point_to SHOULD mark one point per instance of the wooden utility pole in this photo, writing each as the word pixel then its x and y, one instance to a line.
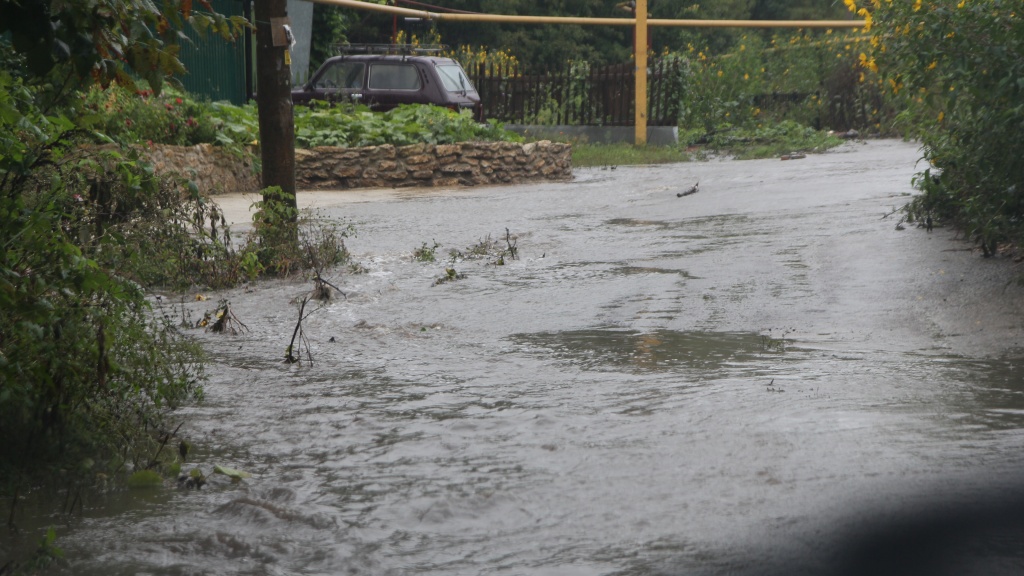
pixel 274 97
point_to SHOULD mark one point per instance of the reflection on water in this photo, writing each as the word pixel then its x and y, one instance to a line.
pixel 707 354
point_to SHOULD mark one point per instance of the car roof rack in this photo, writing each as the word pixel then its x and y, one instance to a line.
pixel 399 49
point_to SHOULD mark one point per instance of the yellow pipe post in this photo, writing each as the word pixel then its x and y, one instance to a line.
pixel 640 59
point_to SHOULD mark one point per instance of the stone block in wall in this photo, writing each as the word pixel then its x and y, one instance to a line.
pixel 459 168
pixel 413 150
pixel 348 171
pixel 445 150
pixel 213 169
pixel 420 159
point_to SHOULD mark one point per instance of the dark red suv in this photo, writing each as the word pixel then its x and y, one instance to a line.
pixel 384 81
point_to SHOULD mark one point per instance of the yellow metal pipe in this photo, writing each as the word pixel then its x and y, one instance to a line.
pixel 757 23
pixel 447 17
pixel 640 59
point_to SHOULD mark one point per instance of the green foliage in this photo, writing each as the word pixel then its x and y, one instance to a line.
pixel 329 25
pixel 85 366
pixel 144 479
pixel 821 79
pixel 285 240
pixel 108 40
pixel 323 125
pixel 775 139
pixel 957 65
pixel 426 253
pixel 132 117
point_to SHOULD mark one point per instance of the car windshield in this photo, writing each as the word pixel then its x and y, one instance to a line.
pixel 342 75
pixel 454 78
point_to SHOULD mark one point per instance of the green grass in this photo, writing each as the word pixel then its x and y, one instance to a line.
pixel 584 155
pixel 771 141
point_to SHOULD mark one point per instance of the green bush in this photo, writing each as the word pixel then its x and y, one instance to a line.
pixel 957 66
pixel 355 126
pixel 176 118
pixel 86 367
pixel 815 78
pixel 139 117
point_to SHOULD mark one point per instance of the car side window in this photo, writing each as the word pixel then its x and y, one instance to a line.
pixel 394 76
pixel 342 75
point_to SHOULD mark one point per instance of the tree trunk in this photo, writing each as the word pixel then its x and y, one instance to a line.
pixel 274 102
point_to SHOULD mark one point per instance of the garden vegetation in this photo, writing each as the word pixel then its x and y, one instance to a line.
pixel 957 69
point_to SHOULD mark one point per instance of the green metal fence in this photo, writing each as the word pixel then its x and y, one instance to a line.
pixel 217 69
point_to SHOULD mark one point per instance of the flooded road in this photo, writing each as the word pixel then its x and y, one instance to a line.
pixel 737 381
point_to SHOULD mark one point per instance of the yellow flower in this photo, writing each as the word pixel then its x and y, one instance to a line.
pixel 868 63
pixel 933 65
pixel 719 73
pixel 917 5
pixel 941 115
pixel 851 5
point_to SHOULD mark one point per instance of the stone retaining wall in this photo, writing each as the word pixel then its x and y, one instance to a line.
pixel 213 169
pixel 467 164
pixel 464 164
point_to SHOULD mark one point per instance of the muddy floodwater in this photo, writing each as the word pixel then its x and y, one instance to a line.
pixel 765 376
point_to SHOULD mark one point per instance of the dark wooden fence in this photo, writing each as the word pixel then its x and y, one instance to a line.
pixel 578 96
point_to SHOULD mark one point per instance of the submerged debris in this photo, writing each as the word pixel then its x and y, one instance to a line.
pixel 222 320
pixel 690 190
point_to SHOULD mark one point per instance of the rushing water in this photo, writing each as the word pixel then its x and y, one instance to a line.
pixel 743 380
